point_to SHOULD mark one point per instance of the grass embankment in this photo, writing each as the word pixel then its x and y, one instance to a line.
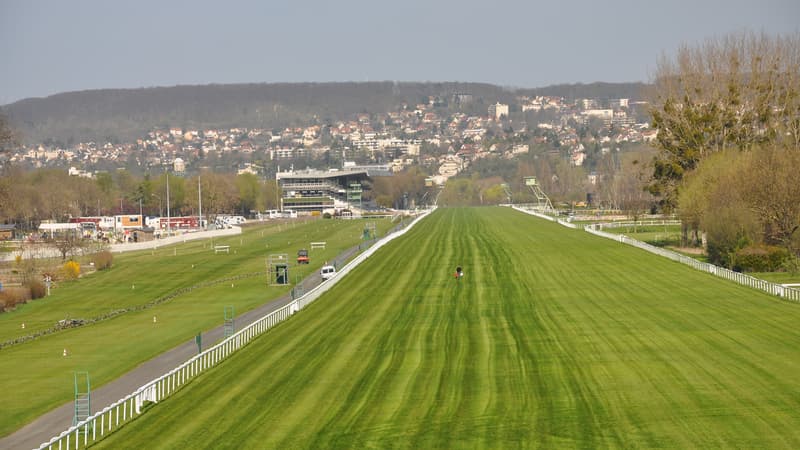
pixel 35 377
pixel 554 338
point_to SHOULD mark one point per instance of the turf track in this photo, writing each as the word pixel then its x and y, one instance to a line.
pixel 34 376
pixel 554 338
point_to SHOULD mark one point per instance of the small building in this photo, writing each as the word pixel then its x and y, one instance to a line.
pixel 127 222
pixel 178 165
pixel 8 232
pixel 53 228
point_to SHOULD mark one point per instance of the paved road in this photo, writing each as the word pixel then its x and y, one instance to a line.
pixel 54 422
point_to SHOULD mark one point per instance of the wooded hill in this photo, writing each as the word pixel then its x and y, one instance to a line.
pixel 126 114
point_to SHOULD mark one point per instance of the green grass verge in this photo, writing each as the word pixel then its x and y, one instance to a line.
pixel 777 277
pixel 35 377
pixel 658 235
pixel 554 338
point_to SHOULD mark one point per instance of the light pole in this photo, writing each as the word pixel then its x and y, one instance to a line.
pixel 169 228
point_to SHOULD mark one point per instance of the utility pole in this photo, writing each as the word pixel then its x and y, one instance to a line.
pixel 169 227
pixel 199 201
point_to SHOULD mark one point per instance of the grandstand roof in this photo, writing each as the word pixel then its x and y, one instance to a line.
pixel 312 173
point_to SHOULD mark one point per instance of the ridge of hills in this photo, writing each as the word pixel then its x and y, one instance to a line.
pixel 119 115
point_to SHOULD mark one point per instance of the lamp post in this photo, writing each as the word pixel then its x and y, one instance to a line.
pixel 169 227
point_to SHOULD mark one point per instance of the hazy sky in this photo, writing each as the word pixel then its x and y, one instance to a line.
pixel 53 46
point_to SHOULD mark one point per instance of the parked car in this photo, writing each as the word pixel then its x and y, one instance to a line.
pixel 302 256
pixel 327 272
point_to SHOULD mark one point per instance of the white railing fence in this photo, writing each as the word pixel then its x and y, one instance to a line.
pixel 638 223
pixel 780 290
pixel 124 410
pixel 546 217
pixel 755 283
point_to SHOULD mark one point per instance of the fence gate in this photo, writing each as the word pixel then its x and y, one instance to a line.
pixel 230 327
pixel 83 404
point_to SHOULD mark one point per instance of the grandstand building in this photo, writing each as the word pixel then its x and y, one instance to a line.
pixel 312 191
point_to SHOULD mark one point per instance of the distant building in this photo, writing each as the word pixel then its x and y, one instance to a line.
pixel 462 98
pixel 75 172
pixel 589 103
pixel 498 110
pixel 619 103
pixel 312 191
pixel 178 165
pixel 248 168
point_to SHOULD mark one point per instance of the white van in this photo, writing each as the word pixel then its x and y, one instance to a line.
pixel 327 272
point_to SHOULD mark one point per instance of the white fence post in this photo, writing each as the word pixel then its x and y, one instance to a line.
pixel 740 278
pixel 165 385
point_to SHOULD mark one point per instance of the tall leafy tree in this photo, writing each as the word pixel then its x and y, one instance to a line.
pixel 250 193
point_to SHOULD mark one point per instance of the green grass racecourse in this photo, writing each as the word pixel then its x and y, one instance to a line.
pixel 35 377
pixel 554 338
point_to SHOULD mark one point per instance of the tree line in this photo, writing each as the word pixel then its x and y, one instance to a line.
pixel 727 113
pixel 29 197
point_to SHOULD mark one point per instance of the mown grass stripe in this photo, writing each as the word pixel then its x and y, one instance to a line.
pixel 553 339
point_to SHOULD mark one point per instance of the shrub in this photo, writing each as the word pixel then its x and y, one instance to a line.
pixel 71 270
pixel 103 260
pixel 326 215
pixel 13 296
pixel 759 258
pixel 791 265
pixel 37 288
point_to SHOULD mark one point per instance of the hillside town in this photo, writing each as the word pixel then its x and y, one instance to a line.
pixel 433 134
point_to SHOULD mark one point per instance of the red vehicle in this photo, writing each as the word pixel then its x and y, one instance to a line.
pixel 180 223
pixel 302 256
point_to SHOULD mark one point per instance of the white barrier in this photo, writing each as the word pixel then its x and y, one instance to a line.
pixel 783 291
pixel 534 213
pixel 639 223
pixel 546 217
pixel 753 282
pixel 124 410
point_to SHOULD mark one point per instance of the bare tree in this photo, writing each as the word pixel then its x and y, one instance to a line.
pixel 69 244
pixel 7 135
pixel 772 190
pixel 739 91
